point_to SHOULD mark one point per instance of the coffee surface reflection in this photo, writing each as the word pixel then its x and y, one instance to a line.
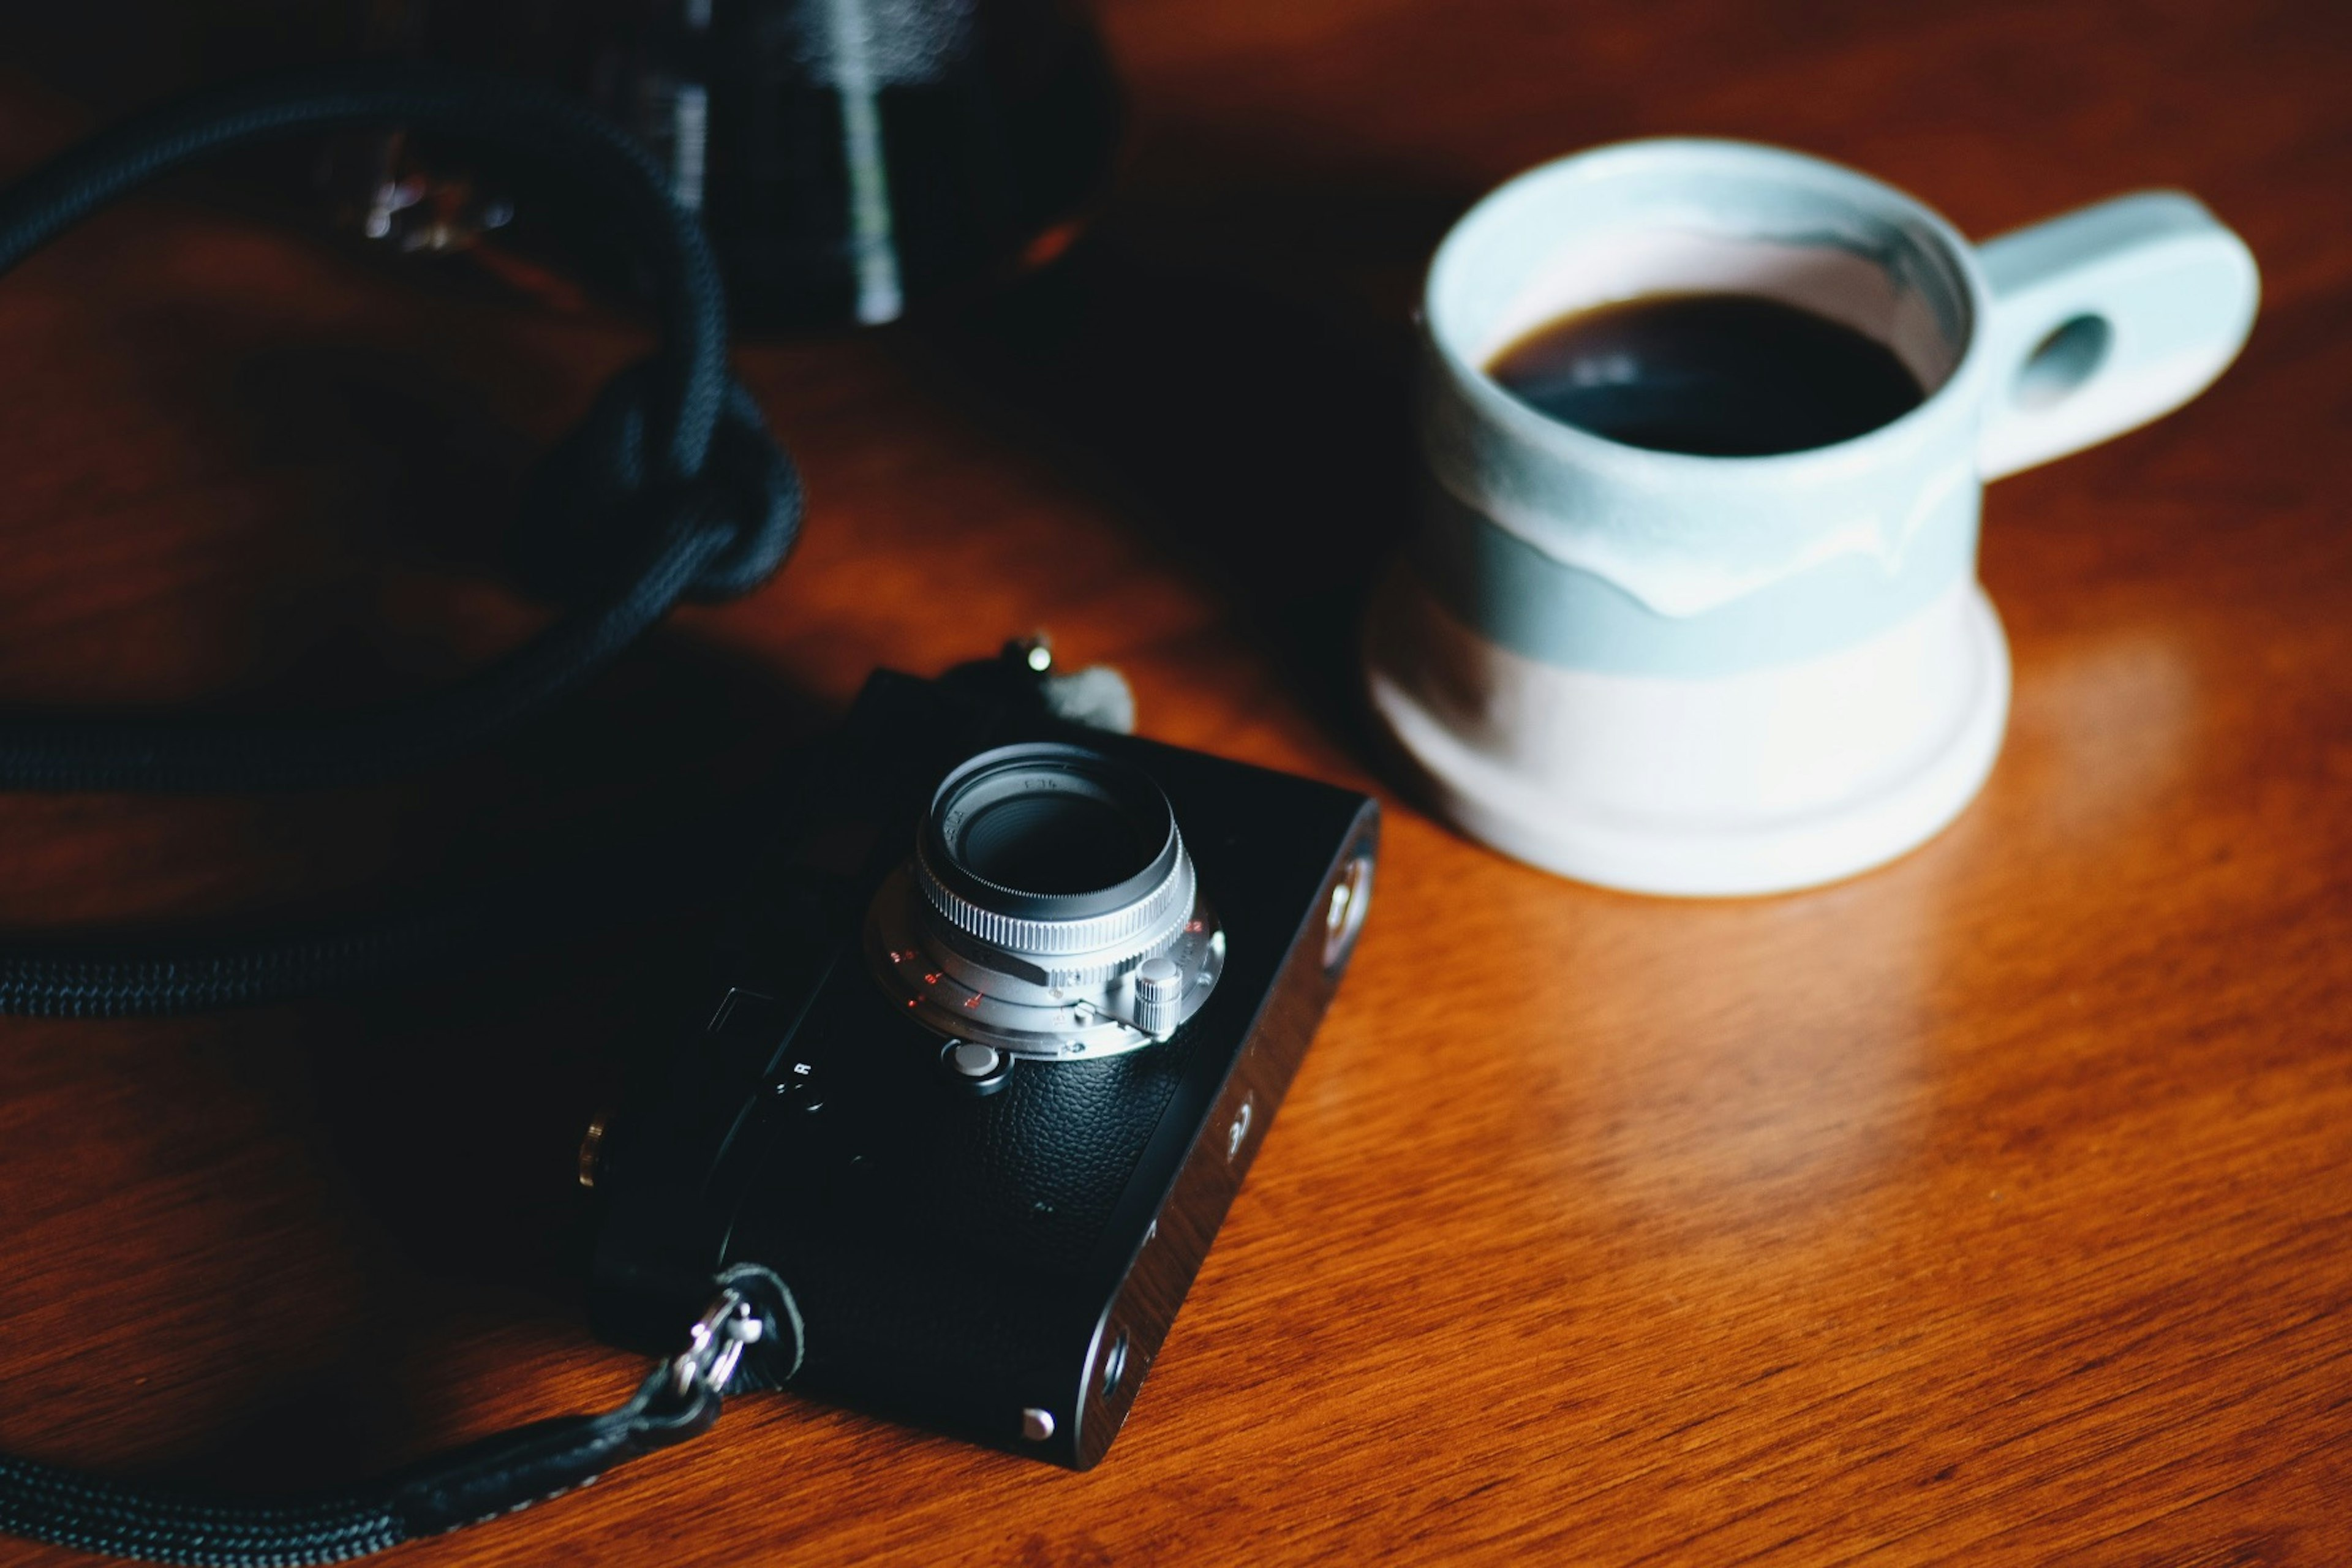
pixel 1719 375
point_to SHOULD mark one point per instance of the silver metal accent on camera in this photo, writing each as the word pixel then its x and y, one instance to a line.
pixel 591 1168
pixel 1098 696
pixel 1036 1423
pixel 714 1346
pixel 1351 900
pixel 1158 994
pixel 969 1058
pixel 1066 951
pixel 974 1068
pixel 1114 1365
pixel 1093 1012
pixel 1125 967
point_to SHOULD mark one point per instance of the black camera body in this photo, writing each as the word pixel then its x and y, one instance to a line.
pixel 999 1029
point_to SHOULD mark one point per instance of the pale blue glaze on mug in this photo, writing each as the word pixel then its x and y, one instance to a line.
pixel 1527 601
pixel 1586 553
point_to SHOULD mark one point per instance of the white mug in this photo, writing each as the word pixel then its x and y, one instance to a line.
pixel 1701 675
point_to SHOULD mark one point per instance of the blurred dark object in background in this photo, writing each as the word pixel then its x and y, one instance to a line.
pixel 849 157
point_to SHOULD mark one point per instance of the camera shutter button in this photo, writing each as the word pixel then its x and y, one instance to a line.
pixel 974 1066
pixel 973 1060
pixel 1158 994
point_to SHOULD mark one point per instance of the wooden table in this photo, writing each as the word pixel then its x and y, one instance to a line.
pixel 1992 1207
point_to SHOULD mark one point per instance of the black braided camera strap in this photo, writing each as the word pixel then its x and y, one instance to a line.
pixel 748 1338
pixel 672 488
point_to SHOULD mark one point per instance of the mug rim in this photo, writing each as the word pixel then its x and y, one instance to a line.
pixel 1671 154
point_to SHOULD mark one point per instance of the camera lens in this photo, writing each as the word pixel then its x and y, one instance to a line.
pixel 1049 908
pixel 1052 841
pixel 1050 832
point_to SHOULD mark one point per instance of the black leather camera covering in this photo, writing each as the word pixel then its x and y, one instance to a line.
pixel 960 1261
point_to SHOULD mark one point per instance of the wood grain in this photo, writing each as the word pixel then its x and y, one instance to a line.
pixel 1993 1208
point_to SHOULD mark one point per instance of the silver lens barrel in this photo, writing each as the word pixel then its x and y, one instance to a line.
pixel 1045 877
pixel 1066 951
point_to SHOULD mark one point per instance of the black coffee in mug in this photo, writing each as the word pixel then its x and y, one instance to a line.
pixel 1719 375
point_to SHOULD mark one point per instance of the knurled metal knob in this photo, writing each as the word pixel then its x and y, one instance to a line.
pixel 1159 993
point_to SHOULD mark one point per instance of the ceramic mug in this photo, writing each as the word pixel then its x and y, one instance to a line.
pixel 1703 675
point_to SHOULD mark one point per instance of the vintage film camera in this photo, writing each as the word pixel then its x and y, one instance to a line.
pixel 991 1045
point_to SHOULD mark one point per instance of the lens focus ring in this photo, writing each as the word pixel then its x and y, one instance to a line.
pixel 1137 928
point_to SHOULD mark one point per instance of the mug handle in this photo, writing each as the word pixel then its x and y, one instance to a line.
pixel 2105 318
